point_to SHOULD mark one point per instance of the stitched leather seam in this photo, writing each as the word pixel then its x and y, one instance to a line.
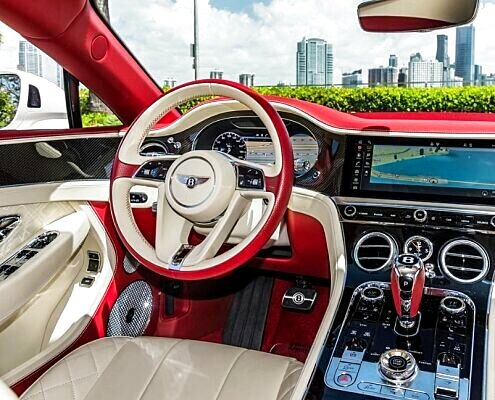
pixel 285 378
pixel 229 371
pixel 158 367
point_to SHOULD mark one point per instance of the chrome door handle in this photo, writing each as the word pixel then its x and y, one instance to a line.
pixel 7 224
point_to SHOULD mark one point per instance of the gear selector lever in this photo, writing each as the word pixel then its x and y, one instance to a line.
pixel 407 284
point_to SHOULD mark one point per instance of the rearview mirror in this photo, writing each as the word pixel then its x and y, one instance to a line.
pixel 415 15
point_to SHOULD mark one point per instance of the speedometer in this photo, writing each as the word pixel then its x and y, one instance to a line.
pixel 231 143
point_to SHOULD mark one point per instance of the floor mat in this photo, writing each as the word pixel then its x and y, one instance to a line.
pixel 247 317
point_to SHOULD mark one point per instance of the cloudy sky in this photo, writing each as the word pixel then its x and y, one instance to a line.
pixel 260 37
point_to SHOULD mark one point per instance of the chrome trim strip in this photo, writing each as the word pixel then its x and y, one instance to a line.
pixel 12 222
pixel 412 205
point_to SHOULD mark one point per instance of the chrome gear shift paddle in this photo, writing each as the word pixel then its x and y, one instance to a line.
pixel 407 284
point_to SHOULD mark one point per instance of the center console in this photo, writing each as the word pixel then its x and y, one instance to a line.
pixel 373 357
pixel 419 223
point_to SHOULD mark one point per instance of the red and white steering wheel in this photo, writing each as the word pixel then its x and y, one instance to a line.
pixel 201 187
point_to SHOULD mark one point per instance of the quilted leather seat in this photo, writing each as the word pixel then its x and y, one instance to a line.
pixel 149 368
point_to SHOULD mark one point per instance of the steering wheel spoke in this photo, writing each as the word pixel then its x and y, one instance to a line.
pixel 210 246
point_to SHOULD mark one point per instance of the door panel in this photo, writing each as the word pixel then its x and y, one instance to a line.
pixel 33 218
pixel 32 292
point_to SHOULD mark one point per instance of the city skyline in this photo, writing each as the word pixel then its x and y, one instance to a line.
pixel 262 41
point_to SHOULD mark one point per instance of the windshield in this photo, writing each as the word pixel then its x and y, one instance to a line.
pixel 289 42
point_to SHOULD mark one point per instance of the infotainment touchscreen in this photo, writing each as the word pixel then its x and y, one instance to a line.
pixel 434 168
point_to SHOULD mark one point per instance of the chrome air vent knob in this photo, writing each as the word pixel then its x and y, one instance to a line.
pixel 397 366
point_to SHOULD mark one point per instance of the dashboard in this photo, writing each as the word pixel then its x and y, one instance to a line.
pixel 394 192
pixel 318 155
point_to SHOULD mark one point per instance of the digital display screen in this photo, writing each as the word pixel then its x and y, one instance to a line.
pixel 434 167
pixel 416 168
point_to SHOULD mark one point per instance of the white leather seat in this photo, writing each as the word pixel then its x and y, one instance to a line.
pixel 149 368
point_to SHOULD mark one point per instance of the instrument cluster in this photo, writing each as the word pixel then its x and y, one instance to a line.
pixel 246 138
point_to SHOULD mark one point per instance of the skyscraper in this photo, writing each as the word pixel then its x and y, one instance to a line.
pixel 246 79
pixel 314 60
pixel 464 53
pixel 393 61
pixel 443 56
pixel 383 76
pixel 216 74
pixel 30 59
pixel 424 73
pixel 352 79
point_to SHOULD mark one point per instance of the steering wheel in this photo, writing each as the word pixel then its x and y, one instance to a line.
pixel 200 187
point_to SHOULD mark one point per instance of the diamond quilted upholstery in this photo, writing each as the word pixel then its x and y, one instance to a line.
pixel 157 368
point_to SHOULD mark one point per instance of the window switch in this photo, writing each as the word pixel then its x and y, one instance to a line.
pixel 87 281
pixel 93 262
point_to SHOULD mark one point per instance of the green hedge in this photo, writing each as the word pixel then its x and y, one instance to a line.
pixel 458 99
pixel 7 109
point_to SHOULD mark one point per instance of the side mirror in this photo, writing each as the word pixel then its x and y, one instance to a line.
pixel 415 15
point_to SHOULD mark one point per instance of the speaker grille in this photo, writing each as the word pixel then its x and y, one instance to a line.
pixel 130 264
pixel 131 312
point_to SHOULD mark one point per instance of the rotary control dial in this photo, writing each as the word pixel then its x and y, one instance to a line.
pixel 420 246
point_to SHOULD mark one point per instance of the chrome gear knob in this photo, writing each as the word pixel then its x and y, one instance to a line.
pixel 407 285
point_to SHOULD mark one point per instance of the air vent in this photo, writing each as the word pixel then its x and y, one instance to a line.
pixel 152 149
pixel 464 261
pixel 375 251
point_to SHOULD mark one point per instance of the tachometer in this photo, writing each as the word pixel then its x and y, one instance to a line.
pixel 420 246
pixel 231 143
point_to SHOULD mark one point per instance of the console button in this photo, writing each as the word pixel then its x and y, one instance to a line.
pixel 397 362
pixel 466 220
pixel 349 367
pixel 411 395
pixel 448 388
pixel 420 215
pixel 350 211
pixel 393 391
pixel 344 379
pixel 370 387
pixel 452 305
pixel 448 220
pixel 357 344
pixel 353 356
pixel 372 294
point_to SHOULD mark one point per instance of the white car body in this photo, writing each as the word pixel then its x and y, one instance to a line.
pixel 52 114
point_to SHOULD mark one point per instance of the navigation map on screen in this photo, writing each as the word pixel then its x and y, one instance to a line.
pixel 467 168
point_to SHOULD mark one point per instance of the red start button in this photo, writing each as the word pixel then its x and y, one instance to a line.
pixel 344 379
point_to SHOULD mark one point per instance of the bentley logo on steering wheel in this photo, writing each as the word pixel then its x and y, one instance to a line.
pixel 192 181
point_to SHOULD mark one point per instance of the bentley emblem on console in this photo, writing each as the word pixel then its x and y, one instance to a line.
pixel 192 181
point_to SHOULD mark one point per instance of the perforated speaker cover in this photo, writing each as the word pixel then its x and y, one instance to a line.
pixel 131 312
